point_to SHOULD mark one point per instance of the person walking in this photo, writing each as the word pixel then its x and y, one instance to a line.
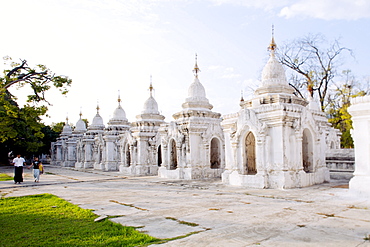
pixel 18 163
pixel 37 169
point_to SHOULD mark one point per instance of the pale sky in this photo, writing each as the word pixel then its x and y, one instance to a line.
pixel 107 46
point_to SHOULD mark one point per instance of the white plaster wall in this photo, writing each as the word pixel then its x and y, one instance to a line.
pixel 171 174
pixel 195 149
pixel 360 111
pixel 251 181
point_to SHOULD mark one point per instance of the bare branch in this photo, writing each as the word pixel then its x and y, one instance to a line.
pixel 297 90
pixel 316 65
pixel 15 69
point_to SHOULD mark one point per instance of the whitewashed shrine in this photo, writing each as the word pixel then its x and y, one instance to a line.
pixel 276 140
pixel 193 144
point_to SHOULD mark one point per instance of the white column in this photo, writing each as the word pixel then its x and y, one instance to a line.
pixel 110 153
pixel 360 111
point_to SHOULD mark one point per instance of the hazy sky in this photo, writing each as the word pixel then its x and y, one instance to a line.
pixel 111 45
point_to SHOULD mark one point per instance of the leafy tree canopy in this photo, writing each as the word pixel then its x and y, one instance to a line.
pixel 339 101
pixel 21 129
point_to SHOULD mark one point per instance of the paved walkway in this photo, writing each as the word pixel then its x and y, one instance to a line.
pixel 208 213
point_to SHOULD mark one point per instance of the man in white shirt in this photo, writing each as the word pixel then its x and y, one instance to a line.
pixel 18 168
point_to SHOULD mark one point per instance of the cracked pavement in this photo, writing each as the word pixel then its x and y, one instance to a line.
pixel 207 212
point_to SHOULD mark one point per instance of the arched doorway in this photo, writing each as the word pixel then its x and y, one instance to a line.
pixel 159 156
pixel 215 154
pixel 173 155
pixel 307 151
pixel 250 154
pixel 128 155
pixel 100 154
pixel 332 145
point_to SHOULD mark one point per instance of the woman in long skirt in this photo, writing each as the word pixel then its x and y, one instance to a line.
pixel 18 163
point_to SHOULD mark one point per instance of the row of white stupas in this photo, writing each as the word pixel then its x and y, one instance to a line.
pixel 276 140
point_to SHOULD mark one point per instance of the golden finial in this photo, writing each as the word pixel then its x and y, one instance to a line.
pixel 241 98
pixel 151 86
pixel 80 113
pixel 67 119
pixel 272 46
pixel 119 97
pixel 97 107
pixel 196 68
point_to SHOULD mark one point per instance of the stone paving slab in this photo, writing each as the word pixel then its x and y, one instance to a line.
pixel 209 213
pixel 158 227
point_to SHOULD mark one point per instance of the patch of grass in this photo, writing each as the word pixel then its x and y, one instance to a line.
pixel 178 237
pixel 188 223
pixel 297 200
pixel 5 177
pixel 326 215
pixel 128 205
pixel 46 220
pixel 182 222
pixel 171 218
pixel 114 216
pixel 186 235
pixel 367 237
pixel 301 225
pixel 356 207
pixel 216 209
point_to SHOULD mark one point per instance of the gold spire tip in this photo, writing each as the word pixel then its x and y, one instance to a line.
pixel 272 46
pixel 151 84
pixel 119 97
pixel 196 68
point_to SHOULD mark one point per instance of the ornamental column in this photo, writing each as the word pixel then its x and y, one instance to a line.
pixel 360 111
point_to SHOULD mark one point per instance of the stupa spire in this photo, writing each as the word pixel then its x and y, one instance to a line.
pixel 119 97
pixel 272 46
pixel 196 68
pixel 97 107
pixel 151 86
pixel 80 113
pixel 273 74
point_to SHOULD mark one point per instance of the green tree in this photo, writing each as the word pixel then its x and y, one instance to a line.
pixel 86 122
pixel 21 128
pixel 50 135
pixel 57 127
pixel 338 103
